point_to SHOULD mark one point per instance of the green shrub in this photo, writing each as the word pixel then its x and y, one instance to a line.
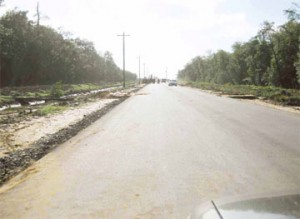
pixel 50 109
pixel 276 94
pixel 57 90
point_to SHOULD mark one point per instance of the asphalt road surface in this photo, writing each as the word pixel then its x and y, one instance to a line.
pixel 160 154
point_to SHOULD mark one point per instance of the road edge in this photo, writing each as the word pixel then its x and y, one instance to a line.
pixel 260 102
pixel 17 161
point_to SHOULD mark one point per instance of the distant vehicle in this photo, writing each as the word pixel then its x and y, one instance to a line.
pixel 282 206
pixel 172 83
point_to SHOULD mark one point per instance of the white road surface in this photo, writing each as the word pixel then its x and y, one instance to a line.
pixel 160 154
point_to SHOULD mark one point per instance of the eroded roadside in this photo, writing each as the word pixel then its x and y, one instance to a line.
pixel 27 141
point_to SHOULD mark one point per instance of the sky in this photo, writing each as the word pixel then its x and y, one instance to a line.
pixel 165 34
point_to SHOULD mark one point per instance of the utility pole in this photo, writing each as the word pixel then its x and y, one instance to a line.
pixel 123 35
pixel 139 69
pixel 38 14
pixel 144 70
pixel 166 73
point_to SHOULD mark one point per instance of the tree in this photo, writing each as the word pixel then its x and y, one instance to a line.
pixel 270 58
pixel 297 66
pixel 287 50
pixel 239 57
pixel 222 61
pixel 33 54
pixel 14 48
pixel 38 15
pixel 293 13
pixel 112 72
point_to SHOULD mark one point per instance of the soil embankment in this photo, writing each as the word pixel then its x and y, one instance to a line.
pixel 26 140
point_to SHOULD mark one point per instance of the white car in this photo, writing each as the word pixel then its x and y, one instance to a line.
pixel 172 83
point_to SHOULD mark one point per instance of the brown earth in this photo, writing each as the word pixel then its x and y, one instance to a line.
pixel 25 139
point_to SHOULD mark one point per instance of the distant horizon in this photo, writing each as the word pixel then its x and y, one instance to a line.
pixel 165 34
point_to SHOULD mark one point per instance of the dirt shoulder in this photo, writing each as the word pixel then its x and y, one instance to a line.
pixel 253 99
pixel 26 141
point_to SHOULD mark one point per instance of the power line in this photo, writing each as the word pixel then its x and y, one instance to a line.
pixel 123 35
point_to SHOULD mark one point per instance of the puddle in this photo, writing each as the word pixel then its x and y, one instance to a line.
pixel 40 102
pixel 90 92
pixel 33 103
pixel 10 106
pixel 37 103
pixel 141 94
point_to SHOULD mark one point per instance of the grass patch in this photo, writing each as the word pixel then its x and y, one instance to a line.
pixel 42 93
pixel 85 87
pixel 276 94
pixel 5 99
pixel 90 87
pixel 7 94
pixel 50 109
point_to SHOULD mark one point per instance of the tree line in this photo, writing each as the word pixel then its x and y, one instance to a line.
pixel 271 57
pixel 33 54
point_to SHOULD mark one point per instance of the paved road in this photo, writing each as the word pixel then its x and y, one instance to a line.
pixel 158 155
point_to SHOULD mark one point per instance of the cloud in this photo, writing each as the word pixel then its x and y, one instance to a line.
pixel 169 10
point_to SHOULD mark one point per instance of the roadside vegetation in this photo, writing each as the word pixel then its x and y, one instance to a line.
pixel 266 66
pixel 45 71
pixel 57 90
pixel 50 109
pixel 277 95
pixel 33 54
pixel 19 103
pixel 45 100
